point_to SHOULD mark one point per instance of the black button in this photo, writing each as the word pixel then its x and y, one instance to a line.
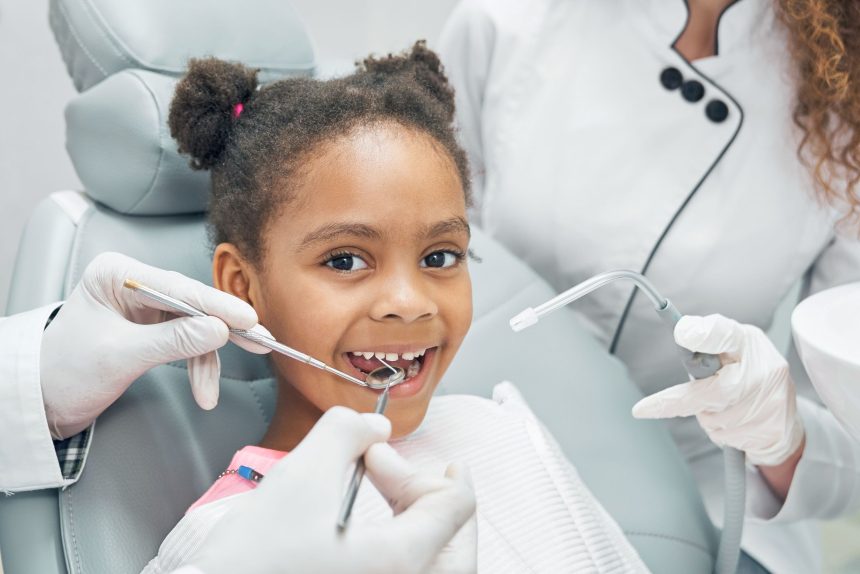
pixel 671 78
pixel 717 111
pixel 693 90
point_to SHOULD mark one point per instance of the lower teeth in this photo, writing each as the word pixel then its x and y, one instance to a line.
pixel 413 369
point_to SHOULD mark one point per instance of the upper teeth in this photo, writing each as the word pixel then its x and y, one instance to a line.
pixel 390 356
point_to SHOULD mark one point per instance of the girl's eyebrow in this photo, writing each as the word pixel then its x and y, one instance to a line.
pixel 453 225
pixel 333 231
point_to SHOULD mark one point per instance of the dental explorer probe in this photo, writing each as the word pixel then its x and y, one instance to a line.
pixel 399 375
pixel 254 337
pixel 698 366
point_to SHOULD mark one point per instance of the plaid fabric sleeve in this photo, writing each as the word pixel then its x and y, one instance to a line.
pixel 72 452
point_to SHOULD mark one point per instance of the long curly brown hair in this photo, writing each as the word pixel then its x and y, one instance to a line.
pixel 824 39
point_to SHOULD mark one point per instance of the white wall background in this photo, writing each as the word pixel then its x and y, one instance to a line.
pixel 34 89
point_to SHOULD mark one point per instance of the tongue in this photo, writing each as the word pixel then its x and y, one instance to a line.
pixel 368 365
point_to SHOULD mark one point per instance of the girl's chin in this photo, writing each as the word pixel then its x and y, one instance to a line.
pixel 405 415
pixel 404 424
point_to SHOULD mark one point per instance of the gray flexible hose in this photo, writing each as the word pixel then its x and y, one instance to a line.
pixel 698 366
pixel 734 507
pixel 701 366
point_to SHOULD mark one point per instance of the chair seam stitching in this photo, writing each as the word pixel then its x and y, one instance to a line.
pixel 80 43
pixel 161 150
pixel 70 506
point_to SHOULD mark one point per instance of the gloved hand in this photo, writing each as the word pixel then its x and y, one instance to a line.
pixel 105 336
pixel 288 523
pixel 749 404
pixel 423 500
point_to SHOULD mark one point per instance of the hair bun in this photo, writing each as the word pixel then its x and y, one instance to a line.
pixel 202 111
pixel 424 64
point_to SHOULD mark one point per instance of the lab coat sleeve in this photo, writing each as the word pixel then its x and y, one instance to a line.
pixel 826 483
pixel 466 49
pixel 28 459
pixel 838 264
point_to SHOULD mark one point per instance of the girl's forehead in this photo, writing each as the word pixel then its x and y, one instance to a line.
pixel 383 168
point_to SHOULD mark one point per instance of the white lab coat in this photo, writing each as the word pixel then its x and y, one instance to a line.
pixel 28 460
pixel 583 162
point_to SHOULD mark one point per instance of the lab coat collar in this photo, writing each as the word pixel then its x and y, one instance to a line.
pixel 737 25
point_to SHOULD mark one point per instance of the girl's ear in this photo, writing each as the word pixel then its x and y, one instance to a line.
pixel 232 274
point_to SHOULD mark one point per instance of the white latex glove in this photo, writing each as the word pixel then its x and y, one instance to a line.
pixel 288 523
pixel 749 404
pixel 424 497
pixel 106 336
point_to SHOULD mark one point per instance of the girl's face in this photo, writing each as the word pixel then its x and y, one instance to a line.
pixel 368 259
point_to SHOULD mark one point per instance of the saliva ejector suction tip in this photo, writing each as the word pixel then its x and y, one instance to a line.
pixel 531 315
pixel 524 320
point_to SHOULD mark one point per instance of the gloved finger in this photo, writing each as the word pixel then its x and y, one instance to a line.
pixel 713 334
pixel 440 508
pixel 401 485
pixel 251 346
pixel 181 338
pixel 335 442
pixel 232 310
pixel 392 476
pixel 460 555
pixel 204 373
pixel 685 400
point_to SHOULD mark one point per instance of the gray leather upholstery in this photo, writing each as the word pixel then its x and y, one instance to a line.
pixel 128 161
pixel 154 452
pixel 99 38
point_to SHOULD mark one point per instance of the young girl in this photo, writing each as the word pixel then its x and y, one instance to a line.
pixel 339 213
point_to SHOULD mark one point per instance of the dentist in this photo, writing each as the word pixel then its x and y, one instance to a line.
pixel 711 145
pixel 62 365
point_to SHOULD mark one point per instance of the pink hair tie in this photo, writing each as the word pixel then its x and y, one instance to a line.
pixel 237 109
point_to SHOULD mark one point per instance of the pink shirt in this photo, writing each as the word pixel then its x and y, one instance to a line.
pixel 259 458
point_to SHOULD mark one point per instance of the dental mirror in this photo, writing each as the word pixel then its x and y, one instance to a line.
pixel 379 378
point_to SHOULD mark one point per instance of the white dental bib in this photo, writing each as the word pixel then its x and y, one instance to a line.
pixel 534 513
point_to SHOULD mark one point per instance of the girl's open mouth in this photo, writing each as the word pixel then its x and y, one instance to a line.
pixel 412 362
pixel 368 361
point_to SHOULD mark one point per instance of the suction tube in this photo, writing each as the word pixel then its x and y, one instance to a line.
pixel 698 366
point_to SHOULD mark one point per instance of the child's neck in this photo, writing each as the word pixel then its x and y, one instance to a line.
pixel 294 417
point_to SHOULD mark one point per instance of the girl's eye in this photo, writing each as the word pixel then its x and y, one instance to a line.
pixel 440 259
pixel 346 262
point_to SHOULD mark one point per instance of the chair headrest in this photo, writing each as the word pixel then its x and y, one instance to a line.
pixel 99 38
pixel 119 143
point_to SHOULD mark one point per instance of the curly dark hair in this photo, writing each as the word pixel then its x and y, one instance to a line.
pixel 824 39
pixel 255 151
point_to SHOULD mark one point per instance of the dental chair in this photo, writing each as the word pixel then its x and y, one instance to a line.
pixel 154 452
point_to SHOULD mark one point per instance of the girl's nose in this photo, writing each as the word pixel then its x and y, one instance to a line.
pixel 405 298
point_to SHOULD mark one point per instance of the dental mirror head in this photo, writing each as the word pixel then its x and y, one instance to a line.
pixel 385 377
